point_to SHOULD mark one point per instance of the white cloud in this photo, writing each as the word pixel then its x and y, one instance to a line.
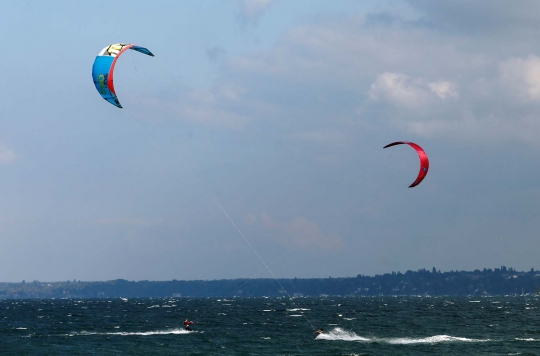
pixel 252 10
pixel 423 81
pixel 398 88
pixel 444 90
pixel 213 107
pixel 489 109
pixel 131 221
pixel 477 127
pixel 221 106
pixel 321 136
pixel 7 155
pixel 301 233
pixel 232 92
pixel 522 76
pixel 260 63
pixel 211 116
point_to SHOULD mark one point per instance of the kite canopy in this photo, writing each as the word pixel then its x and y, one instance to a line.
pixel 424 161
pixel 103 69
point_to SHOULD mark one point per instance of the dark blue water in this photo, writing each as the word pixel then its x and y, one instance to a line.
pixel 272 326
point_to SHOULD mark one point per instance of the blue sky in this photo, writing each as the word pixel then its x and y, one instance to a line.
pixel 279 110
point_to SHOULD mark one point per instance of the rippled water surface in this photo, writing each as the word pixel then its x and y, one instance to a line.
pixel 273 326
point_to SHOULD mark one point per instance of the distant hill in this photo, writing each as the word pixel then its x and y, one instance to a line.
pixel 499 281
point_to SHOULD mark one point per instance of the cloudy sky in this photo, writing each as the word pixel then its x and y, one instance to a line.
pixel 257 129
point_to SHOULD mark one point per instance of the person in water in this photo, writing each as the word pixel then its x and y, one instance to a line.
pixel 319 332
pixel 187 324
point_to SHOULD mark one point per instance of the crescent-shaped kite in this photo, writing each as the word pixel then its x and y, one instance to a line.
pixel 424 161
pixel 103 69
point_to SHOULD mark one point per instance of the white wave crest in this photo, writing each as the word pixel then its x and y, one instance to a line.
pixel 345 335
pixel 432 340
pixel 297 309
pixel 137 333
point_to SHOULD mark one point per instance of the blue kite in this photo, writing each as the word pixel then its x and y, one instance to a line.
pixel 102 71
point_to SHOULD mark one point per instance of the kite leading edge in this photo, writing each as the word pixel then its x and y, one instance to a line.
pixel 103 69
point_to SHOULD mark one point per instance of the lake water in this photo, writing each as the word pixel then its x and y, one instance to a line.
pixel 272 326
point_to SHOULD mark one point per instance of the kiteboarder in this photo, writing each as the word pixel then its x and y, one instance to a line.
pixel 319 332
pixel 187 324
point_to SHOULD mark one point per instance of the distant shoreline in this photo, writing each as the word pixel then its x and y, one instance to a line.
pixel 488 282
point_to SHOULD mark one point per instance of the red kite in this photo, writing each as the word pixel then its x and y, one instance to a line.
pixel 424 161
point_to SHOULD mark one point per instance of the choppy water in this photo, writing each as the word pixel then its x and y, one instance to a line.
pixel 272 326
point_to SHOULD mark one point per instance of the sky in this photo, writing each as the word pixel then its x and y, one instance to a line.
pixel 251 145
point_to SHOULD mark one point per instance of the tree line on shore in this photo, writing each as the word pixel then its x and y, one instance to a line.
pixel 488 282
